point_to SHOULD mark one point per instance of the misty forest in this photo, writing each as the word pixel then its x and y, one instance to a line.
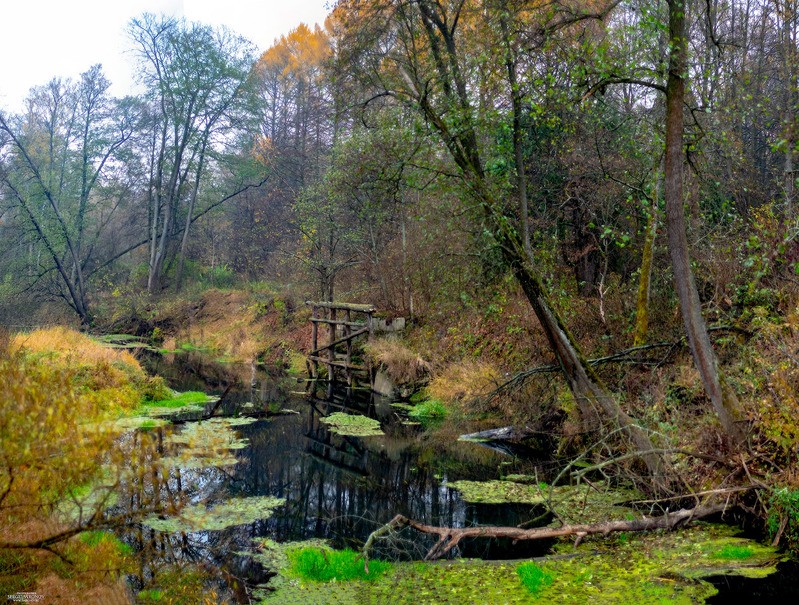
pixel 440 301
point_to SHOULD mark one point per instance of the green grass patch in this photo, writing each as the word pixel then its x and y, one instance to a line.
pixel 96 538
pixel 323 565
pixel 180 400
pixel 733 552
pixel 533 577
pixel 432 408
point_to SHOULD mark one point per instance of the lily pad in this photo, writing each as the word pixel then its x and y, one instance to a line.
pixel 199 517
pixel 353 425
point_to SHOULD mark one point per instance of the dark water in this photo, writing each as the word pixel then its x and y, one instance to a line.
pixel 342 488
pixel 339 488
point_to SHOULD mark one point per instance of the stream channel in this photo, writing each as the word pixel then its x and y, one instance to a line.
pixel 340 488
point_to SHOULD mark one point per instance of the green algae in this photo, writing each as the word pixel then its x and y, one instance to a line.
pixel 581 503
pixel 499 492
pixel 206 444
pixel 655 568
pixel 232 512
pixel 353 425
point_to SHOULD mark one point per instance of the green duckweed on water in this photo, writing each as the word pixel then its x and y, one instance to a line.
pixel 232 512
pixel 353 425
pixel 656 568
pixel 581 503
pixel 206 444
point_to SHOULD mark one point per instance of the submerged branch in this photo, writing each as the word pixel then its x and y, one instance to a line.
pixel 449 537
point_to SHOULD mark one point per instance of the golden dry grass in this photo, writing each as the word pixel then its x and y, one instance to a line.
pixel 402 365
pixel 75 347
pixel 464 381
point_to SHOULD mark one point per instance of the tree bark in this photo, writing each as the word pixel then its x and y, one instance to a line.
pixel 723 398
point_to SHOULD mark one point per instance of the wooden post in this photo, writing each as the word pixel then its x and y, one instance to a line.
pixel 370 370
pixel 315 340
pixel 331 352
pixel 346 334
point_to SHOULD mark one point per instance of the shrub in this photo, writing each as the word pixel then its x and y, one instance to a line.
pixel 782 520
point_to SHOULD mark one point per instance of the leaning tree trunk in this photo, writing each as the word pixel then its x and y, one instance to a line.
pixel 596 404
pixel 721 395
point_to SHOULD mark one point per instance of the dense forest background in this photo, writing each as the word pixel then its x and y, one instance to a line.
pixel 616 173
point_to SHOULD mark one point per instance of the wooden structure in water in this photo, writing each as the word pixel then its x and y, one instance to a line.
pixel 345 322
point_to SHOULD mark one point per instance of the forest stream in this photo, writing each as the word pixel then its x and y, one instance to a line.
pixel 318 488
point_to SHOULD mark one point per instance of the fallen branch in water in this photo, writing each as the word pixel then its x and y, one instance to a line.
pixel 449 537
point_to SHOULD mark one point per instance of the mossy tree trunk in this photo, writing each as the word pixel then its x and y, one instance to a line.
pixel 431 61
pixel 723 398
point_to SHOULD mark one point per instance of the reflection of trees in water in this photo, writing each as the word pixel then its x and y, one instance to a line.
pixel 342 488
pixel 335 487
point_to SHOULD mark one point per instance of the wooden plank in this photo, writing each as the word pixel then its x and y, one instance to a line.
pixel 338 364
pixel 340 322
pixel 343 306
pixel 340 340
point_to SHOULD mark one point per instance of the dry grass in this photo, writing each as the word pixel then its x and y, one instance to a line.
pixel 74 347
pixel 402 365
pixel 464 381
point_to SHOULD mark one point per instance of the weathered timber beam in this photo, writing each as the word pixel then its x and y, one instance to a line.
pixel 343 306
pixel 339 322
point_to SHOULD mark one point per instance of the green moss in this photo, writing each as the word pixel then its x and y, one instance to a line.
pixel 354 425
pixel 533 577
pixel 150 596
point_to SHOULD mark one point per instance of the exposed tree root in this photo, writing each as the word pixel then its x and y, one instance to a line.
pixel 449 537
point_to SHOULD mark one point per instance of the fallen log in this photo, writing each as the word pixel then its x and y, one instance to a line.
pixel 449 537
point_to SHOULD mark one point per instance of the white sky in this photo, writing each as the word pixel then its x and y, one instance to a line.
pixel 40 39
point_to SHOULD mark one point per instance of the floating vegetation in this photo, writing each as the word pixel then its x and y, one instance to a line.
pixel 647 569
pixel 123 341
pixel 232 512
pixel 499 492
pixel 183 399
pixel 353 425
pixel 139 422
pixel 654 567
pixel 205 444
pixel 573 503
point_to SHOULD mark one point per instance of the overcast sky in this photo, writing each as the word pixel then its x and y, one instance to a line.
pixel 40 39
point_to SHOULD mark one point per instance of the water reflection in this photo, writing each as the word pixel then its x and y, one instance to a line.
pixel 335 487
